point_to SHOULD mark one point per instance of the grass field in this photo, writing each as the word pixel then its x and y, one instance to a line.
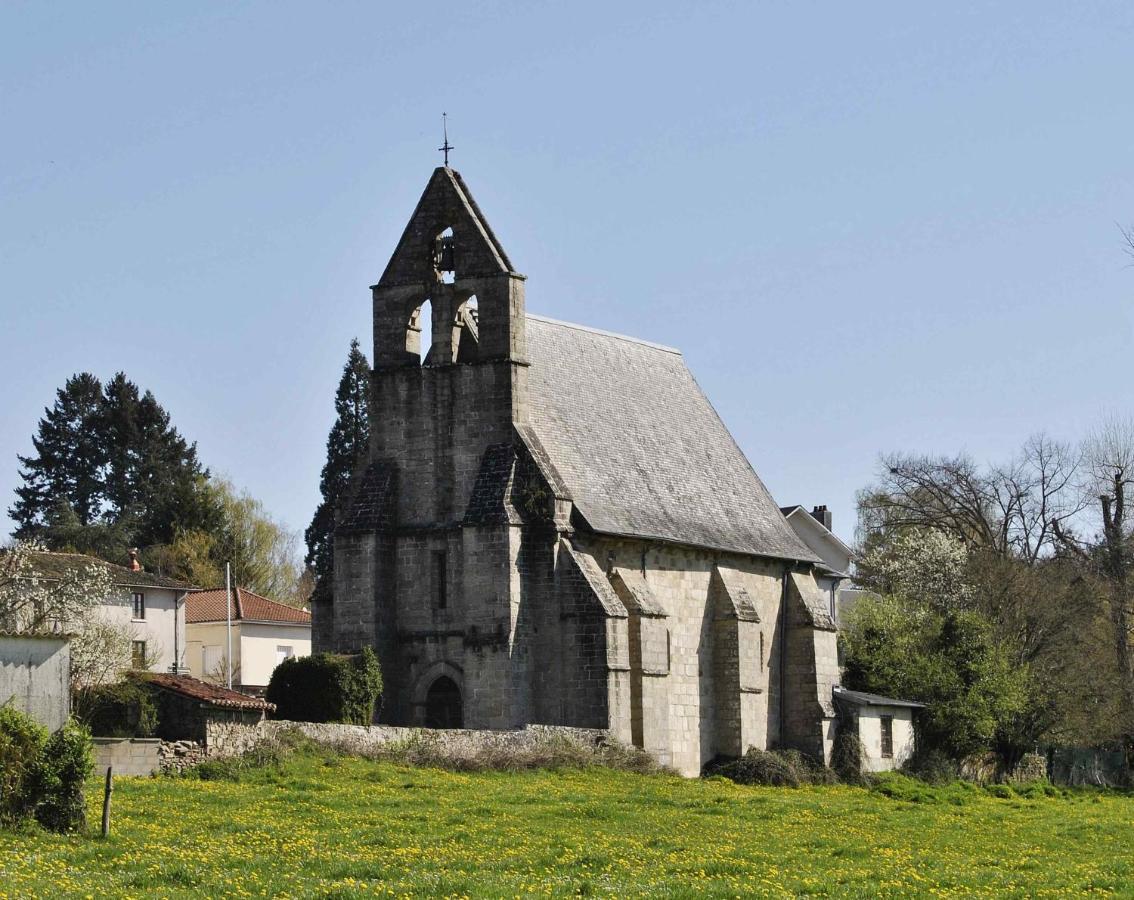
pixel 339 827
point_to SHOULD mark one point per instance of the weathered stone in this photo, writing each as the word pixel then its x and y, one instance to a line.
pixel 554 526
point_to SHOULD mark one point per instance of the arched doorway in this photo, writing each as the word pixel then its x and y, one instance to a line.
pixel 443 708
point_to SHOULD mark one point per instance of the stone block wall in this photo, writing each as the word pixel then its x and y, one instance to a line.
pixel 127 756
pixel 233 739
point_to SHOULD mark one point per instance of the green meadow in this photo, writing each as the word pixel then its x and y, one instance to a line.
pixel 328 826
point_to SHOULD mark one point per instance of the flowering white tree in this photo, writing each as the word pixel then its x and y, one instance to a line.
pixel 925 566
pixel 33 604
pixel 70 602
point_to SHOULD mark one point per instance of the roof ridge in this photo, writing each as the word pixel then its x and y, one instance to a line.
pixel 599 331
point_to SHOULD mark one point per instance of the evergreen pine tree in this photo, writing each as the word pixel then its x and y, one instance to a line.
pixel 347 447
pixel 153 475
pixel 110 472
pixel 66 476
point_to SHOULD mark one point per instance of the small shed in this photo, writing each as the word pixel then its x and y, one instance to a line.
pixel 187 705
pixel 885 725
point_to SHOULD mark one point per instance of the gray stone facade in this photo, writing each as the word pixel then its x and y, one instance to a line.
pixel 554 527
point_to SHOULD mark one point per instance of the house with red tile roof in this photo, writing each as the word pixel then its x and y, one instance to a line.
pixel 263 634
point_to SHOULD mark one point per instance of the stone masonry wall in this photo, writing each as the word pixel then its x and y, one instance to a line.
pixel 232 739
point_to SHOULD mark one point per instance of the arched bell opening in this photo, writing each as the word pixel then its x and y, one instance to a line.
pixel 445 256
pixel 466 332
pixel 419 333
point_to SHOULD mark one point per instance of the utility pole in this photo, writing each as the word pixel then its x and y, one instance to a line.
pixel 228 621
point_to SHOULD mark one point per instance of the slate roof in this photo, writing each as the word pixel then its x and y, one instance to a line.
pixel 52 566
pixel 213 694
pixel 371 507
pixel 640 448
pixel 861 698
pixel 211 606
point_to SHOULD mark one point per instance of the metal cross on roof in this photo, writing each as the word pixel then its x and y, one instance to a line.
pixel 446 147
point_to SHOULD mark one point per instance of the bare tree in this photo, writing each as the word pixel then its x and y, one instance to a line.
pixel 1013 510
pixel 1108 474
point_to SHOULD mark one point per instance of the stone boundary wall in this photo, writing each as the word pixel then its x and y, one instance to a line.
pixel 233 738
pixel 128 756
pixel 176 756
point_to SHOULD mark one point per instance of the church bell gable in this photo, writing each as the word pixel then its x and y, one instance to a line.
pixel 449 262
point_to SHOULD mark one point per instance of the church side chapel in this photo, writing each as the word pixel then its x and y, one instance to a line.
pixel 555 527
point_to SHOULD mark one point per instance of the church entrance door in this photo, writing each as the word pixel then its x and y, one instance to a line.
pixel 443 707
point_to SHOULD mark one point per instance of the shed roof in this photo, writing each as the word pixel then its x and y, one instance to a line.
pixel 212 606
pixel 213 694
pixel 641 449
pixel 861 698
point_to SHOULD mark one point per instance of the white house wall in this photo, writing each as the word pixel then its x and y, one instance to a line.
pixel 870 733
pixel 212 635
pixel 259 645
pixel 254 649
pixel 164 616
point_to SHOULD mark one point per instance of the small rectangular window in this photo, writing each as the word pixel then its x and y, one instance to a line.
pixel 139 605
pixel 440 579
pixel 138 654
pixel 887 737
pixel 283 651
pixel 761 651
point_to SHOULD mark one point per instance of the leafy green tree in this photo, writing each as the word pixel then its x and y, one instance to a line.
pixel 263 553
pixel 949 661
pixel 347 447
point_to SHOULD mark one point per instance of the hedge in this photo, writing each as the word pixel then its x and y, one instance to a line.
pixel 327 687
pixel 21 743
pixel 43 776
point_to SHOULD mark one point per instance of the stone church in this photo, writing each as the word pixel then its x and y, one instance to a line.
pixel 554 526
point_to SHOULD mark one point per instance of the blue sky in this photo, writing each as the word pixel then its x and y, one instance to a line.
pixel 870 227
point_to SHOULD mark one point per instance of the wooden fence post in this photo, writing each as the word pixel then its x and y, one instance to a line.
pixel 106 801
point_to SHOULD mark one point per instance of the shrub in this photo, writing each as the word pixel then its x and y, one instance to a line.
pixel 40 775
pixel 897 786
pixel 126 709
pixel 266 756
pixel 775 768
pixel 545 752
pixel 848 756
pixel 64 765
pixel 931 766
pixel 327 687
pixel 21 743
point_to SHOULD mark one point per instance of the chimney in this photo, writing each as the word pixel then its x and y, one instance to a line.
pixel 135 566
pixel 822 515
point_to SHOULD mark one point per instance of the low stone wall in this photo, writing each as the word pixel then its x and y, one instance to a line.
pixel 176 756
pixel 233 738
pixel 128 756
